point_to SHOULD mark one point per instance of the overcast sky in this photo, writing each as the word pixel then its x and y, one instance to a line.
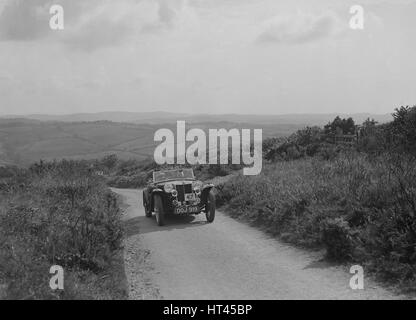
pixel 208 56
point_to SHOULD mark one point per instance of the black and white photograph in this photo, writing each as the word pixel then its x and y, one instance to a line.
pixel 206 155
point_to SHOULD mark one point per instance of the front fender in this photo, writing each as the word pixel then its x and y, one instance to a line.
pixel 205 191
pixel 152 197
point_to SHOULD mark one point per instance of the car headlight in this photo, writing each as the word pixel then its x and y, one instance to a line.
pixel 197 187
pixel 169 187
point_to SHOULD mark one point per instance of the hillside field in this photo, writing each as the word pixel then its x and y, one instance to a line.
pixel 23 141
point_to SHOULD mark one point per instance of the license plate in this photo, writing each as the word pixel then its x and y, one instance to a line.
pixel 186 210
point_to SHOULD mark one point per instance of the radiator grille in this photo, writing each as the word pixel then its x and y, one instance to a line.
pixel 182 189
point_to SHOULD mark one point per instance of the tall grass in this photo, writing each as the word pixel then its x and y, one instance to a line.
pixel 56 213
pixel 360 208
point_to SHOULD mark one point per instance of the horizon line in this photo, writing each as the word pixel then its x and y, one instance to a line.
pixel 191 114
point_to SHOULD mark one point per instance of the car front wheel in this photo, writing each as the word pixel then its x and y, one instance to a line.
pixel 159 210
pixel 146 205
pixel 210 207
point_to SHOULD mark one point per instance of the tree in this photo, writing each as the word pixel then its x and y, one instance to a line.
pixel 307 136
pixel 340 126
pixel 403 128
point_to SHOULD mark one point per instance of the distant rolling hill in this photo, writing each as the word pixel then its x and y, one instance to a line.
pixel 25 141
pixel 131 117
pixel 166 117
pixel 90 136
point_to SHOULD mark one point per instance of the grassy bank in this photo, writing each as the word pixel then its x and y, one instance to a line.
pixel 361 208
pixel 59 214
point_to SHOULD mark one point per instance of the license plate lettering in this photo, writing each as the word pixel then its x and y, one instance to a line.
pixel 185 210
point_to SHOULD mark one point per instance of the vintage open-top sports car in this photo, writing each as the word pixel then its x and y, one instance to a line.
pixel 178 192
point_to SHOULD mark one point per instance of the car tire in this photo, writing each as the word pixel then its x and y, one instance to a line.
pixel 210 207
pixel 146 205
pixel 159 210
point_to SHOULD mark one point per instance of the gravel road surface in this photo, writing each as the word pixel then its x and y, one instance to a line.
pixel 191 259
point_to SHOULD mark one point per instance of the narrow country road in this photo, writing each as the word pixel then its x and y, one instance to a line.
pixel 191 259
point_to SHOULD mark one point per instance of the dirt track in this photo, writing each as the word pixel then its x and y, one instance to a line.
pixel 191 259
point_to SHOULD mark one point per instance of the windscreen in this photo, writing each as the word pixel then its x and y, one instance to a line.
pixel 173 175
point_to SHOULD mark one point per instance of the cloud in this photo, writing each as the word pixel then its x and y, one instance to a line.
pixel 89 25
pixel 22 20
pixel 100 30
pixel 167 12
pixel 299 28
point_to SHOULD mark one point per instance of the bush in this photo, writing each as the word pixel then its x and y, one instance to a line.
pixel 337 238
pixel 62 213
pixel 359 207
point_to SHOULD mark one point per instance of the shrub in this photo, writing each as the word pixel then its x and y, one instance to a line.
pixel 359 207
pixel 61 214
pixel 337 237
